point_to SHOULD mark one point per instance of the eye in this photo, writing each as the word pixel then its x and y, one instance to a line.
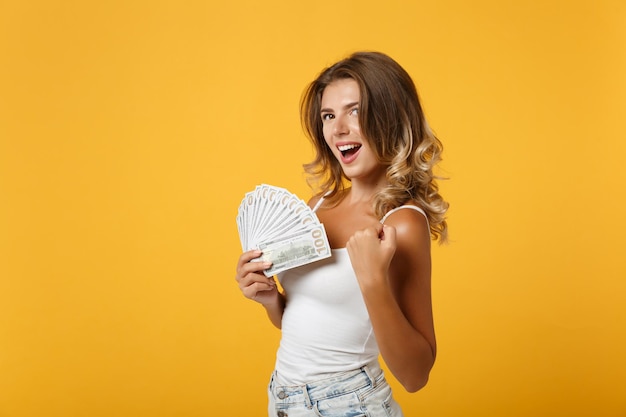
pixel 354 111
pixel 327 116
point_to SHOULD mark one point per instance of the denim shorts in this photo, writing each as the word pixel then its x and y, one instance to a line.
pixel 360 393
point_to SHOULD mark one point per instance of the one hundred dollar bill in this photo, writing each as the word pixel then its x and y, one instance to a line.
pixel 307 246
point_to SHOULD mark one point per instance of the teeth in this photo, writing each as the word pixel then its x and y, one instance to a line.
pixel 344 148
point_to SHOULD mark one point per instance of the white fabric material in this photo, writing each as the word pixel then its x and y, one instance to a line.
pixel 325 325
pixel 402 207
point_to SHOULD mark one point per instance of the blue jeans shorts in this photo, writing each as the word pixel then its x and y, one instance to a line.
pixel 360 393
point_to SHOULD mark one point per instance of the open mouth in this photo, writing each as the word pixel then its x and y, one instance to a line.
pixel 348 150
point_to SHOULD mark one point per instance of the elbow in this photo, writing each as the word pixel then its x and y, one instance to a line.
pixel 414 374
pixel 417 379
pixel 415 384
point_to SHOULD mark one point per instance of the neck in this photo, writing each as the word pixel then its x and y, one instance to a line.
pixel 364 192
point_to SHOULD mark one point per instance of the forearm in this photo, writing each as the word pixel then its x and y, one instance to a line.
pixel 275 310
pixel 406 351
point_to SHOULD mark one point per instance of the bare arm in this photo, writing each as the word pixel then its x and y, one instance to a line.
pixel 256 286
pixel 392 265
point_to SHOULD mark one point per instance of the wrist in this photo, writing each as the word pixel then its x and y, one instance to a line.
pixel 276 301
pixel 375 284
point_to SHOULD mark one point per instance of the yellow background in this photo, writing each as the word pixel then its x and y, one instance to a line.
pixel 130 130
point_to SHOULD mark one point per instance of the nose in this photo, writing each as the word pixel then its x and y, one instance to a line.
pixel 340 127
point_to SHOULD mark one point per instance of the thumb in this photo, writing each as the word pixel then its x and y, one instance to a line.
pixel 388 234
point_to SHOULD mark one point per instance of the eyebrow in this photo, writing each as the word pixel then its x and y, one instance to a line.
pixel 347 106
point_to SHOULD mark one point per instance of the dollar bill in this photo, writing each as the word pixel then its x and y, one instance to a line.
pixel 304 247
pixel 283 226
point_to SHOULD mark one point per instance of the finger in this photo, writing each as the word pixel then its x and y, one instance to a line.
pixel 388 233
pixel 369 232
pixel 248 256
pixel 253 290
pixel 243 260
pixel 260 285
pixel 375 231
pixel 254 268
pixel 252 279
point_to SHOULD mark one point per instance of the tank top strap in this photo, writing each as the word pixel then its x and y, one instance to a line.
pixel 319 203
pixel 407 206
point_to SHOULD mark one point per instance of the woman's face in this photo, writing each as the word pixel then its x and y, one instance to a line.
pixel 342 131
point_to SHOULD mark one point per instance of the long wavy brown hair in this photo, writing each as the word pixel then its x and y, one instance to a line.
pixel 393 123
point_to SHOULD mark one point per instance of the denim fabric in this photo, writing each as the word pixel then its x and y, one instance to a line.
pixel 360 393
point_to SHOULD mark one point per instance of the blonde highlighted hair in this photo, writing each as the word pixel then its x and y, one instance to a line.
pixel 393 123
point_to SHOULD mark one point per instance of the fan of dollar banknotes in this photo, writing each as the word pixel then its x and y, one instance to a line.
pixel 283 227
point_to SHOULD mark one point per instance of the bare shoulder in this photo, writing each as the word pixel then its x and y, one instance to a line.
pixel 411 226
pixel 410 267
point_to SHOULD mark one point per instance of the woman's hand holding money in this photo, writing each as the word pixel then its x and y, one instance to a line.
pixel 252 282
pixel 256 286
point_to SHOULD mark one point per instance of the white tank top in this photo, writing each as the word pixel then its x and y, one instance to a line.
pixel 325 325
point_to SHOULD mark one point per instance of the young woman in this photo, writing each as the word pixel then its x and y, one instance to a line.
pixel 379 203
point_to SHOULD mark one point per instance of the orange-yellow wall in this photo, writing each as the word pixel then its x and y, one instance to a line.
pixel 130 130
